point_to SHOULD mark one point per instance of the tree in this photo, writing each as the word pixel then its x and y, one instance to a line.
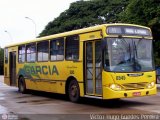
pixel 83 14
pixel 145 12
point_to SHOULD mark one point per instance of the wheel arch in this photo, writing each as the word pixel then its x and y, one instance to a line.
pixel 19 77
pixel 21 84
pixel 69 79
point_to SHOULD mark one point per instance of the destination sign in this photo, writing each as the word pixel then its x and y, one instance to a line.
pixel 128 30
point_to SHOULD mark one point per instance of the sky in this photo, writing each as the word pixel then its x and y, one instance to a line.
pixel 15 27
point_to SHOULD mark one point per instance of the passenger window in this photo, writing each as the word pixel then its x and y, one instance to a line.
pixel 21 54
pixel 72 47
pixel 43 50
pixel 31 52
pixel 57 49
pixel 6 55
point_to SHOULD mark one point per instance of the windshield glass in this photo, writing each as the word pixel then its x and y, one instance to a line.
pixel 128 55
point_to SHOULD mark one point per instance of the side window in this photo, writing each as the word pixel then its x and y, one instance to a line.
pixel 43 50
pixel 72 47
pixel 21 54
pixel 6 55
pixel 31 52
pixel 57 49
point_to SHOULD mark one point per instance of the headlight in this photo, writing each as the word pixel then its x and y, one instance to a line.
pixel 151 85
pixel 115 87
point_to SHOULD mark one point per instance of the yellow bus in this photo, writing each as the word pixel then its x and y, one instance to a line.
pixel 107 61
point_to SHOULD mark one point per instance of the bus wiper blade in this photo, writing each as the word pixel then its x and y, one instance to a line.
pixel 136 65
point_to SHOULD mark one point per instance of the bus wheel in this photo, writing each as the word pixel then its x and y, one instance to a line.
pixel 22 85
pixel 73 91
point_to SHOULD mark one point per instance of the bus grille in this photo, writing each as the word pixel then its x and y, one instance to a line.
pixel 134 86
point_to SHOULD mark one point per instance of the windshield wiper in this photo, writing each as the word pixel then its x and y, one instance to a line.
pixel 136 66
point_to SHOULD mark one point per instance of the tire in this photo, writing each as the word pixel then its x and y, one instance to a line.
pixel 22 85
pixel 73 91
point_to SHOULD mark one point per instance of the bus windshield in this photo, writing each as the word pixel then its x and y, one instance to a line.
pixel 128 55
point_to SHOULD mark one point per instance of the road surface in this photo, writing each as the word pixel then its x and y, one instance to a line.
pixel 41 105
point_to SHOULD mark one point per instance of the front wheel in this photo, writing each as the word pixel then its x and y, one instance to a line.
pixel 22 85
pixel 73 91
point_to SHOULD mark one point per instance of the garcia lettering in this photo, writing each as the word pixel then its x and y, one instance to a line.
pixel 51 70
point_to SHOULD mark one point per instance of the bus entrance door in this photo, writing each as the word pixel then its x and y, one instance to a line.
pixel 93 71
pixel 12 65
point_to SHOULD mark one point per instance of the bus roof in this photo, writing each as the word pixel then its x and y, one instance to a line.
pixel 73 32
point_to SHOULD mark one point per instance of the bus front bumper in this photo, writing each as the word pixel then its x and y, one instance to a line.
pixel 108 93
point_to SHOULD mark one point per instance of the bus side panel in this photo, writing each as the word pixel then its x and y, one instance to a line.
pixel 81 86
pixel 7 80
pixel 30 84
pixel 50 76
pixel 6 74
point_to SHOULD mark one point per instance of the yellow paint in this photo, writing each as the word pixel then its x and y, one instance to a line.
pixel 56 83
pixel 111 94
pixel 7 80
pixel 110 78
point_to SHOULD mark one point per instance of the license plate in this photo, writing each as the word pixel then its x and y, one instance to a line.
pixel 137 94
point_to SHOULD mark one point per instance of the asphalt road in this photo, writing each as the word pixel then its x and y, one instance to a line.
pixel 41 105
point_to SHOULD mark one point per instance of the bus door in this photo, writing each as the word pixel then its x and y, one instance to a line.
pixel 93 70
pixel 12 65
